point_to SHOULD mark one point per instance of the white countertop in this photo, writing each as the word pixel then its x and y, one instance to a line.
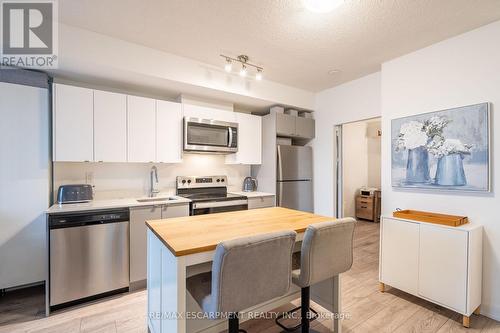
pixel 113 203
pixel 254 194
pixel 132 202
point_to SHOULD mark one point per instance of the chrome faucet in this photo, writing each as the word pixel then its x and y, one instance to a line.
pixel 153 177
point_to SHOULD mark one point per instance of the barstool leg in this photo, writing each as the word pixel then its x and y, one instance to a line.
pixel 233 323
pixel 304 309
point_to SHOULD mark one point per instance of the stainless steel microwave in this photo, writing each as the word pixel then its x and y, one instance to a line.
pixel 206 135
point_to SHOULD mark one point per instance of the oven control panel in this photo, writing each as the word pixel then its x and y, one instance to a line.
pixel 201 182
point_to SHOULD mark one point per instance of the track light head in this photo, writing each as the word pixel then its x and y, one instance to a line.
pixel 258 76
pixel 243 70
pixel 228 66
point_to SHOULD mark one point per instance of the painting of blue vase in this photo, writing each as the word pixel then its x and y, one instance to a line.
pixel 443 150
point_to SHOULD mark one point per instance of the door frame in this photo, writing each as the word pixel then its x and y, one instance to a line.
pixel 338 145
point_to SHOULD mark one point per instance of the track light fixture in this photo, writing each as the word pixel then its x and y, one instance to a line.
pixel 243 60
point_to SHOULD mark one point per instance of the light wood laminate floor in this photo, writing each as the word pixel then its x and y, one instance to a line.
pixel 369 310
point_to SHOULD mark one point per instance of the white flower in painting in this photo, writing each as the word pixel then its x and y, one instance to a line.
pixel 449 146
pixel 412 135
pixel 435 125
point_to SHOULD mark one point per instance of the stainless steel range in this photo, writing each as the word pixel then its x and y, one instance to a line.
pixel 208 194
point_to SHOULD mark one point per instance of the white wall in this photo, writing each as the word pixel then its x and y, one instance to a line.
pixel 459 71
pixel 121 180
pixel 352 101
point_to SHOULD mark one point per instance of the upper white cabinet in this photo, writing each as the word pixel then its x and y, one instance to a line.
pixel 110 127
pixel 141 129
pixel 73 124
pixel 168 132
pixel 204 112
pixel 249 140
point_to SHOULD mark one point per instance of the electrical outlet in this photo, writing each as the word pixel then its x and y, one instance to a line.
pixel 89 178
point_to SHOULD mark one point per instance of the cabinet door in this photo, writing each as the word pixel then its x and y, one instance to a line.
pixel 443 266
pixel 110 127
pixel 73 124
pixel 285 124
pixel 260 202
pixel 204 112
pixel 249 140
pixel 399 254
pixel 168 132
pixel 169 211
pixel 304 128
pixel 138 239
pixel 141 129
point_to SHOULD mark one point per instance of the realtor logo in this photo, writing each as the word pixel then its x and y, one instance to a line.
pixel 29 33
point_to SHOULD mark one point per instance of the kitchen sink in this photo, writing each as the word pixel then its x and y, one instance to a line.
pixel 155 199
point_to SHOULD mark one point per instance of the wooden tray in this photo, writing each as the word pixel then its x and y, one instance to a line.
pixel 450 220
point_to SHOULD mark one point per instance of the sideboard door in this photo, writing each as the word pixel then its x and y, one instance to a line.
pixel 443 266
pixel 399 250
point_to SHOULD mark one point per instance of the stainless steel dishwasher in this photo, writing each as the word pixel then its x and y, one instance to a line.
pixel 89 255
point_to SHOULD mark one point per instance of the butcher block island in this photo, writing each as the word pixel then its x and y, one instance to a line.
pixel 182 247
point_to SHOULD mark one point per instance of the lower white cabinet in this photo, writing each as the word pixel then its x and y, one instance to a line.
pixel 138 234
pixel 438 263
pixel 261 202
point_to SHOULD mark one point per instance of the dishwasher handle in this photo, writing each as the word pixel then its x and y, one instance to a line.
pixel 88 218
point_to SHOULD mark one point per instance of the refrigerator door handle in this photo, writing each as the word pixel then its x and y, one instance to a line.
pixel 280 166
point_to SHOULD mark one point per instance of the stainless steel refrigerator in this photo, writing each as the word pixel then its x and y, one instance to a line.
pixel 294 188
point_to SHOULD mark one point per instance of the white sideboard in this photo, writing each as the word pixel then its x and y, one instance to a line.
pixel 438 263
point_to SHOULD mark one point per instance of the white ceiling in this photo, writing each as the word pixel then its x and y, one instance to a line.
pixel 296 47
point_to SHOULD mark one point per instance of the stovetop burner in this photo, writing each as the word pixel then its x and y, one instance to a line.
pixel 206 188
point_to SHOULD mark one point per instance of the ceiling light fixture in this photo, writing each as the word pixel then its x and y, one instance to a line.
pixel 228 66
pixel 322 6
pixel 243 60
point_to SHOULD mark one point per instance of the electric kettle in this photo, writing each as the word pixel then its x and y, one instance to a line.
pixel 250 184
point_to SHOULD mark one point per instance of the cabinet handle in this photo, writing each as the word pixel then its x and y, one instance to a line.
pixel 364 207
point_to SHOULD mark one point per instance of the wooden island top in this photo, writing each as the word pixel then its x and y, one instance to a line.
pixel 201 233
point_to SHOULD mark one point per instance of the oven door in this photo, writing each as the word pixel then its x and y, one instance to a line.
pixel 205 135
pixel 200 208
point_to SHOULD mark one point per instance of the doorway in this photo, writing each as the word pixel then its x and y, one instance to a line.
pixel 358 169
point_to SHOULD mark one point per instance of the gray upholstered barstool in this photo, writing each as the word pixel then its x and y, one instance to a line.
pixel 245 272
pixel 326 252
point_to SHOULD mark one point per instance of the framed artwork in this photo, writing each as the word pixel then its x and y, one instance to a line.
pixel 443 150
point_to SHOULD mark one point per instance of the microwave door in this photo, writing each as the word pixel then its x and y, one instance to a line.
pixel 202 135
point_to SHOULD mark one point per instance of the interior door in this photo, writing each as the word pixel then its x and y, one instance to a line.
pixel 296 195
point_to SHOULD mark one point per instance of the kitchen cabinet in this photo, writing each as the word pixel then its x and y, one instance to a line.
pixel 204 112
pixel 261 202
pixel 304 128
pixel 438 263
pixel 291 126
pixel 285 125
pixel 138 234
pixel 141 114
pixel 73 134
pixel 110 127
pixel 168 132
pixel 249 140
